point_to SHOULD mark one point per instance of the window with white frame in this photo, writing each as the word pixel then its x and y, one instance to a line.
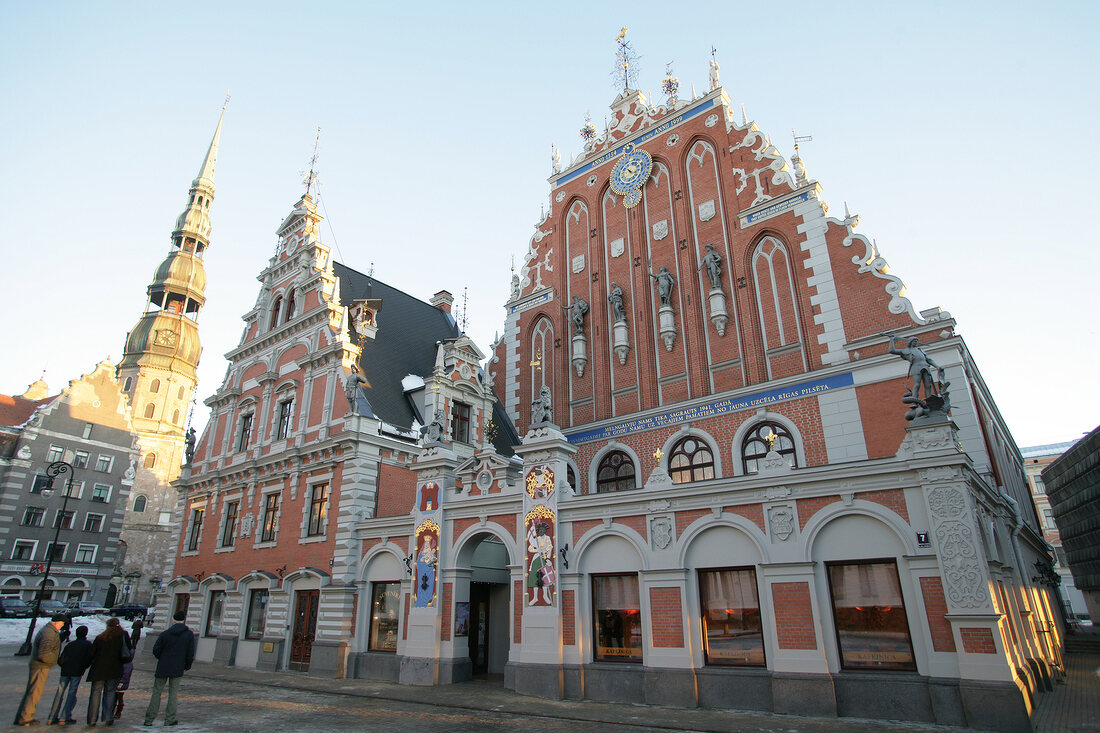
pixel 93 522
pixel 23 550
pixel 245 434
pixel 104 463
pixel 56 551
pixel 101 493
pixel 214 613
pixel 139 504
pixel 32 516
pixel 85 554
pixel 80 459
pixel 257 613
pixel 63 519
pixel 196 528
pixel 271 517
pixel 286 410
pixel 41 481
pixel 229 528
pixel 318 510
pixel 55 453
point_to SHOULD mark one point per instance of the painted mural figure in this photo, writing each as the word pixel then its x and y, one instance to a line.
pixel 712 261
pixel 665 283
pixel 541 572
pixel 616 300
pixel 920 366
pixel 576 313
pixel 425 573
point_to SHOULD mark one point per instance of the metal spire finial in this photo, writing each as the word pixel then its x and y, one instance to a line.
pixel 626 68
pixel 311 177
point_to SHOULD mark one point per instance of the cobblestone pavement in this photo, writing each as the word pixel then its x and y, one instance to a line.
pixel 1075 706
pixel 216 698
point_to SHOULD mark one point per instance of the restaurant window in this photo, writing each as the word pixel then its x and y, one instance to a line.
pixel 871 626
pixel 691 460
pixel 196 529
pixel 318 510
pixel 761 440
pixel 214 613
pixel 271 513
pixel 460 422
pixel 617 618
pixel 615 473
pixel 229 531
pixel 732 631
pixel 385 600
pixel 257 614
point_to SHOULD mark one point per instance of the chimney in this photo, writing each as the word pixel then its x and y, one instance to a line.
pixel 442 300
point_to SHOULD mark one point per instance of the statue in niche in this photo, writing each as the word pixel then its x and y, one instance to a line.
pixel 712 261
pixel 352 387
pixel 576 314
pixel 542 410
pixel 665 283
pixel 618 313
pixel 433 431
pixel 920 371
pixel 189 450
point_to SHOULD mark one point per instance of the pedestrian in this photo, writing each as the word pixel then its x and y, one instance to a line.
pixel 74 661
pixel 175 651
pixel 109 652
pixel 127 668
pixel 44 651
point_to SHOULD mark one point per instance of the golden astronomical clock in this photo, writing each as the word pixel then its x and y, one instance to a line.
pixel 630 173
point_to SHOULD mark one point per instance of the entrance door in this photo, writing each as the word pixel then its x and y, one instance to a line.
pixel 305 628
pixel 479 627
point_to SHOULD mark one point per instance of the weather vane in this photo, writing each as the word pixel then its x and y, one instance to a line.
pixel 311 177
pixel 671 84
pixel 626 67
pixel 226 103
pixel 800 139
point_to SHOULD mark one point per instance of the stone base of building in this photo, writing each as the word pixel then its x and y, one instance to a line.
pixel 225 651
pixel 1000 706
pixel 329 659
pixel 383 666
pixel 428 671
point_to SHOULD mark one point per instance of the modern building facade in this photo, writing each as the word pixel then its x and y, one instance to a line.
pixel 750 476
pixel 1036 459
pixel 88 426
pixel 158 373
pixel 1073 487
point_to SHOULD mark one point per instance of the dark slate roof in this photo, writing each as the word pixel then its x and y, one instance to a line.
pixel 506 437
pixel 408 330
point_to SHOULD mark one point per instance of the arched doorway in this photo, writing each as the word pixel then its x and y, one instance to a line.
pixel 482 606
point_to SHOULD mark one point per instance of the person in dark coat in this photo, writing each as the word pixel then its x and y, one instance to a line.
pixel 175 652
pixel 108 651
pixel 44 651
pixel 127 668
pixel 74 661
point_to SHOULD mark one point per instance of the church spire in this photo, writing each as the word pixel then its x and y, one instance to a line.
pixel 211 160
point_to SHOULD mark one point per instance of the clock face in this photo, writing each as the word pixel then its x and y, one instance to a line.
pixel 632 171
pixel 165 337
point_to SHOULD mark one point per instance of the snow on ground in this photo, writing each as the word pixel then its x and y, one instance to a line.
pixel 14 630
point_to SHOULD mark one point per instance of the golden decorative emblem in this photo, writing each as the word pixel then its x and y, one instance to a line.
pixel 539 512
pixel 540 482
pixel 658 454
pixel 427 526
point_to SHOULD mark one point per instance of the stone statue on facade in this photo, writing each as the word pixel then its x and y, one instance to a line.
pixel 352 388
pixel 713 74
pixel 189 449
pixel 712 261
pixel 665 283
pixel 555 160
pixel 433 431
pixel 618 313
pixel 935 397
pixel 577 310
pixel 515 286
pixel 542 409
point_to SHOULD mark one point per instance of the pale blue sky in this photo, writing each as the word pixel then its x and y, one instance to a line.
pixel 961 133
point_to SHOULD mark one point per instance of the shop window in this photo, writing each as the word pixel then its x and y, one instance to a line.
pixel 385 599
pixel 214 613
pixel 871 626
pixel 758 442
pixel 617 621
pixel 460 422
pixel 271 513
pixel 691 460
pixel 196 529
pixel 732 630
pixel 318 510
pixel 257 614
pixel 615 473
pixel 229 531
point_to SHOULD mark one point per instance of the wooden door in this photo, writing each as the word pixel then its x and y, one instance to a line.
pixel 305 628
pixel 479 627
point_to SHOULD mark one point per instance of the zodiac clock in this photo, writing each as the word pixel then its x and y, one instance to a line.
pixel 630 174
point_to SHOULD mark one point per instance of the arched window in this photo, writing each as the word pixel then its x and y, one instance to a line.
pixel 289 306
pixel 691 460
pixel 149 409
pixel 542 357
pixel 755 445
pixel 139 504
pixel 154 386
pixel 179 394
pixel 126 386
pixel 151 460
pixel 777 306
pixel 176 417
pixel 571 477
pixel 275 311
pixel 615 473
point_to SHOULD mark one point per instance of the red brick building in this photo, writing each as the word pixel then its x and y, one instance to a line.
pixel 717 499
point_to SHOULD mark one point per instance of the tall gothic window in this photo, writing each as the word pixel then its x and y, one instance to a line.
pixel 275 307
pixel 289 306
pixel 691 460
pixel 542 356
pixel 776 302
pixel 615 473
pixel 755 445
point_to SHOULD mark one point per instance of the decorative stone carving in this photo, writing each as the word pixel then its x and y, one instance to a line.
pixel 672 140
pixel 580 353
pixel 622 340
pixel 484 480
pixel 936 402
pixel 618 247
pixel 947 502
pixel 592 180
pixel 718 315
pixel 578 264
pixel 24 453
pixel 660 229
pixel 542 409
pixel 659 505
pixel 247 521
pixel 777 492
pixel 130 472
pixel 711 120
pixel 667 326
pixel 560 197
pixel 781 522
pixel 665 282
pixel 965 584
pixel 661 532
pixel 706 210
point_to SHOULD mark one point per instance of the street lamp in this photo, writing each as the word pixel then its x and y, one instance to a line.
pixel 54 470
